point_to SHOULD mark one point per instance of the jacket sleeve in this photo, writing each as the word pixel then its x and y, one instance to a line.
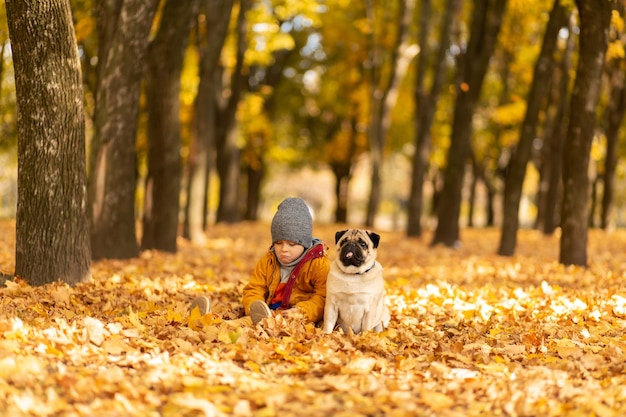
pixel 258 287
pixel 316 273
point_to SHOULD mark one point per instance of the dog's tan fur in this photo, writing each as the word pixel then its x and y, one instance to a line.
pixel 355 289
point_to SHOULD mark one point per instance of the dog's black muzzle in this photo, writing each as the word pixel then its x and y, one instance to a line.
pixel 352 254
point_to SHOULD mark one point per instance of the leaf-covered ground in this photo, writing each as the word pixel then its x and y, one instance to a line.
pixel 471 334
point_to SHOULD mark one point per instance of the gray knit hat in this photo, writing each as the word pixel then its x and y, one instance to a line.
pixel 293 222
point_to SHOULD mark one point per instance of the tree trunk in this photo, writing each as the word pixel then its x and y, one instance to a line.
pixel 535 102
pixel 615 117
pixel 165 56
pixel 479 172
pixel 471 201
pixel 555 137
pixel 228 153
pixel 595 18
pixel 255 177
pixel 52 226
pixel 384 96
pixel 214 27
pixel 342 173
pixel 123 29
pixel 426 104
pixel 227 164
pixel 486 23
pixel 266 78
pixel 491 212
pixel 593 203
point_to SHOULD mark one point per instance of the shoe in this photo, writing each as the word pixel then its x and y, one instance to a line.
pixel 259 311
pixel 203 303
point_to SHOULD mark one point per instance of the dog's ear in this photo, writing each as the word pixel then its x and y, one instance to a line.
pixel 339 234
pixel 375 238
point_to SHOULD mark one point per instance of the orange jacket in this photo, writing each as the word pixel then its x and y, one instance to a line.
pixel 309 290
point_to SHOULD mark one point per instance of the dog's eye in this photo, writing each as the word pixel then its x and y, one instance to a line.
pixel 363 244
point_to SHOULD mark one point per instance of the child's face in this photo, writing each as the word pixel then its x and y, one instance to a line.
pixel 287 251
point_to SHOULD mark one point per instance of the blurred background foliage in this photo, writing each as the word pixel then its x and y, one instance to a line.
pixel 311 123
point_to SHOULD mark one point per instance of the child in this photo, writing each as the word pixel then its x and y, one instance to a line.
pixel 291 276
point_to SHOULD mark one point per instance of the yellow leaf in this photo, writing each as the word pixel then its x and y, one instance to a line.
pixel 566 348
pixel 359 366
pixel 436 401
pixel 514 349
pixel 195 319
pixel 228 336
pixel 61 295
pixel 253 366
pixel 176 316
pixel 95 330
pixel 134 320
pixel 116 346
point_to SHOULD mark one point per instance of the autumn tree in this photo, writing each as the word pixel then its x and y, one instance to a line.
pixel 595 18
pixel 385 83
pixel 163 184
pixel 211 31
pixel 551 184
pixel 8 134
pixel 257 128
pixel 346 144
pixel 328 86
pixel 52 228
pixel 426 102
pixel 270 54
pixel 8 131
pixel 535 102
pixel 123 29
pixel 616 75
pixel 227 150
pixel 486 23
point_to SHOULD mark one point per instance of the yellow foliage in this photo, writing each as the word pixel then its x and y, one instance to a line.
pixel 509 137
pixel 510 114
pixel 617 21
pixel 598 149
pixel 85 28
pixel 615 51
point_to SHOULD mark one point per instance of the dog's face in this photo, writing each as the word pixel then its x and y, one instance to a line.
pixel 356 250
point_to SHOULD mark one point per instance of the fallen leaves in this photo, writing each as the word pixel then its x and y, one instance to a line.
pixel 471 334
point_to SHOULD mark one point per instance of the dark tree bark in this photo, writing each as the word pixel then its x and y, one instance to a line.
pixel 615 117
pixel 471 201
pixel 228 153
pixel 123 29
pixel 384 95
pixel 211 35
pixel 52 227
pixel 343 175
pixel 165 57
pixel 535 102
pixel 426 104
pixel 617 108
pixel 491 195
pixel 254 175
pixel 595 18
pixel 343 154
pixel 486 23
pixel 593 203
pixel 555 138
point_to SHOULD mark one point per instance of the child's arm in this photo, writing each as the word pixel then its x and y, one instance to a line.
pixel 313 308
pixel 259 285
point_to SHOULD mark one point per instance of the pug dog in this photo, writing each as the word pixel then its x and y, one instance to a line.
pixel 355 289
